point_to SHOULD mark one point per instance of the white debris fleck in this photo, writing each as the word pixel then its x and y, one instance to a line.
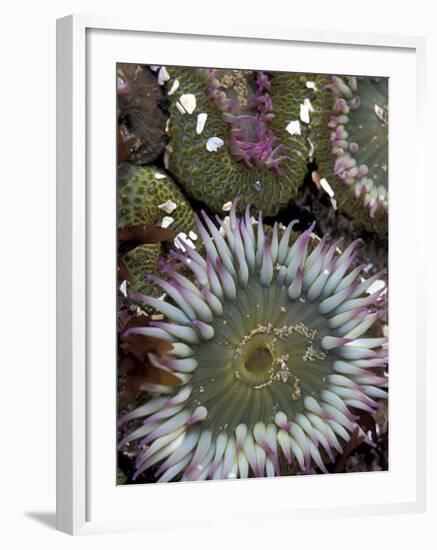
pixel 182 241
pixel 163 76
pixel 201 119
pixel 192 235
pixel 312 149
pixel 326 187
pixel 157 317
pixel 376 286
pixel 293 128
pixel 305 109
pixel 227 206
pixel 333 203
pixel 154 68
pixel 160 176
pixel 214 143
pixel 315 237
pixel 308 103
pixel 166 221
pixel 180 108
pixel 381 113
pixel 174 87
pixel 123 288
pixel 188 102
pixel 162 297
pixel 311 85
pixel 168 206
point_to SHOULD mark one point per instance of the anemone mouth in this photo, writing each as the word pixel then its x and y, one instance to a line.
pixel 265 355
pixel 270 346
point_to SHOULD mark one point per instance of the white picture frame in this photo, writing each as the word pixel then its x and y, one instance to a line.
pixel 79 487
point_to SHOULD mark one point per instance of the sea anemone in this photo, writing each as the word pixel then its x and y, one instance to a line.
pixel 233 126
pixel 270 340
pixel 148 195
pixel 350 135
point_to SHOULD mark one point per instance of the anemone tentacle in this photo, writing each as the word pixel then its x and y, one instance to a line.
pixel 271 342
pixel 350 135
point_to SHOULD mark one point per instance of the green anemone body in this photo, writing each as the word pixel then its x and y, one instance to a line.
pixel 363 141
pixel 141 191
pixel 141 261
pixel 214 177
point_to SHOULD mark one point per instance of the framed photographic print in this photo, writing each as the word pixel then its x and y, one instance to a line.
pixel 236 323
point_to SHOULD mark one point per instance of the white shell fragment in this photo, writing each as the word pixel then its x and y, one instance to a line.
pixel 293 128
pixel 201 119
pixel 326 187
pixel 168 206
pixel 227 206
pixel 310 85
pixel 312 149
pixel 214 143
pixel 154 68
pixel 192 235
pixel 163 76
pixel 188 102
pixel 305 109
pixel 160 176
pixel 123 288
pixel 174 87
pixel 166 221
pixel 182 241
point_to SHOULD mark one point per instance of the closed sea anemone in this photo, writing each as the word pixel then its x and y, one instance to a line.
pixel 148 195
pixel 230 134
pixel 271 342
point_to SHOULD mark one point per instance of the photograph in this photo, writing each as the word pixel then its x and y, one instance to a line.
pixel 252 273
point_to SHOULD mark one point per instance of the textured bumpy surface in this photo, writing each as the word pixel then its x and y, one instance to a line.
pixel 141 120
pixel 271 340
pixel 140 261
pixel 147 195
pixel 242 148
pixel 350 135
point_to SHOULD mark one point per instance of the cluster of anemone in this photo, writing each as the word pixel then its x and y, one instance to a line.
pixel 270 337
pixel 228 136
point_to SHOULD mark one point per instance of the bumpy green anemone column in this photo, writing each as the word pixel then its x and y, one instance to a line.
pixel 147 195
pixel 228 136
pixel 270 343
pixel 349 129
